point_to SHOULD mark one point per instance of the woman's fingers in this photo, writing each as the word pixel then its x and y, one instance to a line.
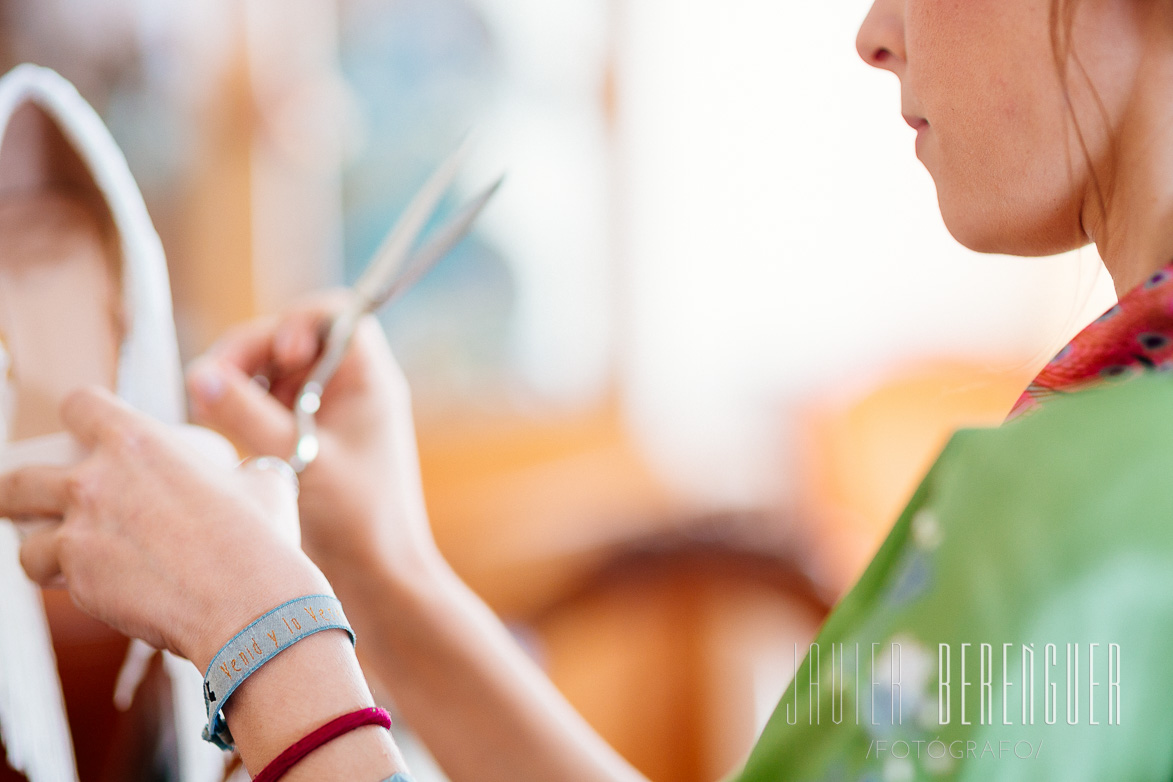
pixel 247 346
pixel 40 555
pixel 96 416
pixel 285 345
pixel 280 349
pixel 34 492
pixel 227 400
pixel 298 339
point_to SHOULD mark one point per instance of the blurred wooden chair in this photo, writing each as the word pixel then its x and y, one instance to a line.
pixel 672 635
pixel 677 649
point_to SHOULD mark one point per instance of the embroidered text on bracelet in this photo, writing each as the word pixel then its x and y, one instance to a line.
pixel 258 643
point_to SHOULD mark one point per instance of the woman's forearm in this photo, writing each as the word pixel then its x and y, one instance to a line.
pixel 298 691
pixel 485 711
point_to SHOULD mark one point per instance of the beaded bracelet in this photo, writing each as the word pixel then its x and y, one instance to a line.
pixel 257 644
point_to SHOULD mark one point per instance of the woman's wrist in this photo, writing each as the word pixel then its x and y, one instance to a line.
pixel 300 688
pixel 286 575
pixel 380 563
pixel 303 688
pixel 399 613
pixel 387 583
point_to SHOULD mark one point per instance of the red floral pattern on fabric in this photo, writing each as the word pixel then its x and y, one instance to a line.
pixel 1134 335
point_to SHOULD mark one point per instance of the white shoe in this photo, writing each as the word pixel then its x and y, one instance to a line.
pixel 58 163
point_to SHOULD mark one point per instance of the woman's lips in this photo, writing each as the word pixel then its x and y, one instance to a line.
pixel 916 123
pixel 920 125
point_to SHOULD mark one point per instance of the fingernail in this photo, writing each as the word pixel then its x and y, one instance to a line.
pixel 205 380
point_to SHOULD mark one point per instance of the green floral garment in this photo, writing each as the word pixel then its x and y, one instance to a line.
pixel 1041 552
pixel 1017 623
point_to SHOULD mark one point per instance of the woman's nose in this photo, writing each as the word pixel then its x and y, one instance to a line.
pixel 880 41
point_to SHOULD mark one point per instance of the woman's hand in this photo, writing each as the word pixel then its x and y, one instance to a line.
pixel 361 502
pixel 477 700
pixel 170 547
pixel 153 538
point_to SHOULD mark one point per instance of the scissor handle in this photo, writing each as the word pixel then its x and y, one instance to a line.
pixel 309 396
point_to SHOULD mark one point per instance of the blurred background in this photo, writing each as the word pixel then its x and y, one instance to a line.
pixel 675 389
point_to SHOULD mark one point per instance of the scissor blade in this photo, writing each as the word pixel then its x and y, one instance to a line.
pixel 398 243
pixel 436 247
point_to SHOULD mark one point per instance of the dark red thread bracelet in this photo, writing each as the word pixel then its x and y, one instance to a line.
pixel 323 735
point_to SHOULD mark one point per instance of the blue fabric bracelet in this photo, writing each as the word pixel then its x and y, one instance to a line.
pixel 258 643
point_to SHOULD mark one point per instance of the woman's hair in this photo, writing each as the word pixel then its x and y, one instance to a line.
pixel 1067 62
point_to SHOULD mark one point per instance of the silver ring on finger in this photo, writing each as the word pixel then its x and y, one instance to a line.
pixel 273 464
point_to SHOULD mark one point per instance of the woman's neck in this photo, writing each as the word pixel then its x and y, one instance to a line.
pixel 1135 236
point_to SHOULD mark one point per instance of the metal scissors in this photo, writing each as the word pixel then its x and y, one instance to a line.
pixel 393 269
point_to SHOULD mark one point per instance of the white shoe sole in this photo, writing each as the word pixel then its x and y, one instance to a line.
pixel 149 377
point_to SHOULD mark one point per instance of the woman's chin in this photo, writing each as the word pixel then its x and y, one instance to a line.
pixel 1006 231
